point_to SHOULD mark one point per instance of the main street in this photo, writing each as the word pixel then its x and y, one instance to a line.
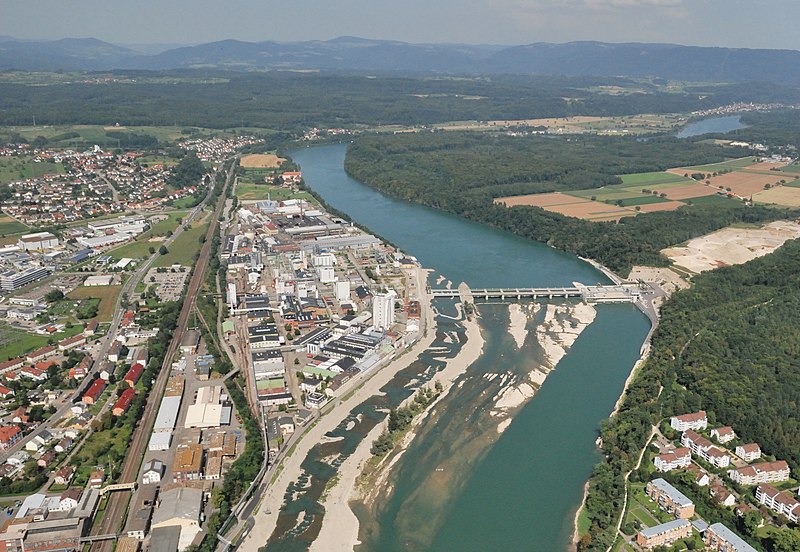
pixel 114 518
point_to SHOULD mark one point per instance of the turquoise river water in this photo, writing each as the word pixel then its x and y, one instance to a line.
pixel 462 485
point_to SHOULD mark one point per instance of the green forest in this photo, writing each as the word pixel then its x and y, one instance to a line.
pixel 729 345
pixel 462 172
pixel 294 101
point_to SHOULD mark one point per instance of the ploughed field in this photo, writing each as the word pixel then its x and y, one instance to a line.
pixel 738 179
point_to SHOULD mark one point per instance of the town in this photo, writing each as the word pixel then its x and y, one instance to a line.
pixel 733 484
pixel 124 404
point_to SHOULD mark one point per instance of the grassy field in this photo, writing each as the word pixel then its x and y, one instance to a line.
pixel 643 200
pixel 14 342
pixel 185 246
pixel 9 225
pixel 140 247
pixel 258 192
pixel 643 179
pixel 106 294
pixel 150 160
pixel 184 202
pixel 23 166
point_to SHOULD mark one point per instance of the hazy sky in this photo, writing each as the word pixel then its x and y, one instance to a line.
pixel 737 23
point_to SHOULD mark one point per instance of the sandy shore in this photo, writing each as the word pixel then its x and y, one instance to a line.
pixel 518 319
pixel 339 531
pixel 267 515
pixel 561 327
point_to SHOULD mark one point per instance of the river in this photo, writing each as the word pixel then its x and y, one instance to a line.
pixel 461 485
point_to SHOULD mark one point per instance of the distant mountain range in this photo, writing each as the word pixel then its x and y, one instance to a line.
pixel 357 54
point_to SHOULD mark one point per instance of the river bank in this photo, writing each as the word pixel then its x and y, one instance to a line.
pixel 290 469
pixel 340 526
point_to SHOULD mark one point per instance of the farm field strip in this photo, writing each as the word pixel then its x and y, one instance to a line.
pixel 669 190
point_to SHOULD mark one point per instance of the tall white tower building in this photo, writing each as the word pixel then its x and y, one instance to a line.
pixel 383 310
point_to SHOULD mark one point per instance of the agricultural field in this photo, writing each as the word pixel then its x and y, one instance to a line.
pixel 9 225
pixel 570 206
pixel 793 168
pixel 670 190
pixel 107 295
pixel 261 161
pixel 787 196
pixel 22 167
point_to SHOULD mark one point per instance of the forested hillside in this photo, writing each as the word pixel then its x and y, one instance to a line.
pixel 730 345
pixel 462 172
pixel 291 101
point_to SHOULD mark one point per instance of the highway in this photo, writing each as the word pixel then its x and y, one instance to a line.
pixel 115 516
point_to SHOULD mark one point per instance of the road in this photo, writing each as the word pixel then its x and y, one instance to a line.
pixel 114 518
pixel 126 291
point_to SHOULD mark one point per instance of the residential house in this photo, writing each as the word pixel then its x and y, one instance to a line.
pixel 664 534
pixel 46 459
pixel 114 351
pixel 64 475
pixel 705 449
pixel 133 375
pixel 781 503
pixel 719 538
pixel 32 373
pixel 748 452
pixel 9 435
pixel 670 499
pixel 90 329
pixel 764 472
pixel 123 402
pixel 64 444
pixel 72 342
pixel 41 354
pixel 12 364
pixel 695 420
pixel 673 459
pixel 723 434
pixel 69 499
pixel 722 495
pixel 94 391
pixel 5 392
pixel 701 477
pixel 81 370
pixel 96 479
pixel 20 415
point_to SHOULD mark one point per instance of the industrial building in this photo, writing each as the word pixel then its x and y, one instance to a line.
pixel 210 409
pixel 11 280
pixel 179 507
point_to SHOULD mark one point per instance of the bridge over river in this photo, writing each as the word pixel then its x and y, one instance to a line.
pixel 616 293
